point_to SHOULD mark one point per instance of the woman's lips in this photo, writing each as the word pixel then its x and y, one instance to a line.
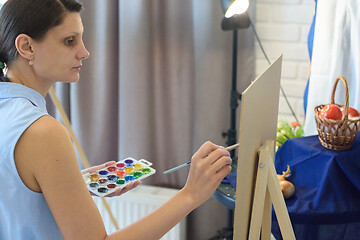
pixel 77 68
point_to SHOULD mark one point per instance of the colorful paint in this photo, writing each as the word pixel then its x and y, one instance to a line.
pixel 138 167
pixel 103 172
pixel 120 182
pixel 103 190
pixel 121 174
pixel 129 170
pixel 102 180
pixel 129 178
pixel 137 175
pixel 129 161
pixel 94 185
pixel 112 169
pixel 121 165
pixel 146 170
pixel 111 185
pixel 94 177
pixel 107 180
pixel 112 178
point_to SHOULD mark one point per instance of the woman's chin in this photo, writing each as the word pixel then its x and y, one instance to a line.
pixel 72 79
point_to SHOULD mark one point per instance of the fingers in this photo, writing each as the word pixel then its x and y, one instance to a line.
pixel 109 163
pixel 218 170
pixel 128 187
pixel 205 150
pixel 211 160
pixel 97 167
pixel 221 162
pixel 222 167
pixel 218 153
pixel 211 157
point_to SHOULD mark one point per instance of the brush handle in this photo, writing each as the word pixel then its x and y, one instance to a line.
pixel 188 163
pixel 232 147
pixel 177 168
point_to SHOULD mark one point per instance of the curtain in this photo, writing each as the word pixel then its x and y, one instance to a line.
pixel 157 86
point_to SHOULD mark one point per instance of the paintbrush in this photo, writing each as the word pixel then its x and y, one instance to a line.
pixel 188 163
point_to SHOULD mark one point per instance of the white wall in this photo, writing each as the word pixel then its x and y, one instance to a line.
pixel 283 26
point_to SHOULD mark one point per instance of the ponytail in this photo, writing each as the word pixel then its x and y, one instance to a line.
pixel 3 66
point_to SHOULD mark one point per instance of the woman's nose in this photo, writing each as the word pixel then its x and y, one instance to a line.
pixel 84 53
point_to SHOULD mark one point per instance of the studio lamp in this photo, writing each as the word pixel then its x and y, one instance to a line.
pixel 236 17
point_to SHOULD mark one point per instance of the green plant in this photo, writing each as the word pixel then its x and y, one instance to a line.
pixel 286 130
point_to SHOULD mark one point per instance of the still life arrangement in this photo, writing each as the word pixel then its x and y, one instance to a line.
pixel 337 126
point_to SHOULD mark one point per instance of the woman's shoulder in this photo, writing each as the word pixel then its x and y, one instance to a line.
pixel 44 137
pixel 43 146
pixel 47 127
pixel 47 135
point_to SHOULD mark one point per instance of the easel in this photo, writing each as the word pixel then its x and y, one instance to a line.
pixel 267 191
pixel 257 183
pixel 76 142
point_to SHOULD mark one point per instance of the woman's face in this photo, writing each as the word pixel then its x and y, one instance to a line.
pixel 58 56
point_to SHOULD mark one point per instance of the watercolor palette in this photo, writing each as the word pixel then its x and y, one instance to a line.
pixel 107 180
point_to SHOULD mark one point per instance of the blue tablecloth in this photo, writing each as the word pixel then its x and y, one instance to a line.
pixel 326 204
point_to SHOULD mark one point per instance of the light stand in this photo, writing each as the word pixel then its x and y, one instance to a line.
pixel 224 194
pixel 234 23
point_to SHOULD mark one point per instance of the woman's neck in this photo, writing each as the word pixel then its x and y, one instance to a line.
pixel 22 73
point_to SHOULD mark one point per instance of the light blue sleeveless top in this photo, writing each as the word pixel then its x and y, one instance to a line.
pixel 24 214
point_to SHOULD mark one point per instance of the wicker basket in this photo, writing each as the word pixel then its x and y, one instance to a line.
pixel 337 135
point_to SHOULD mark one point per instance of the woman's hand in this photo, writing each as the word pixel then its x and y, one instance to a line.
pixel 128 187
pixel 117 192
pixel 209 165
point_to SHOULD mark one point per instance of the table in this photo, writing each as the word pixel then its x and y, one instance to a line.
pixel 326 204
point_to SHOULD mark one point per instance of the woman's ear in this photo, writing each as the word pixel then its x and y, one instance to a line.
pixel 23 45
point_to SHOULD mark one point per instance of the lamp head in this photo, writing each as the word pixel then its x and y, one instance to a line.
pixel 235 14
pixel 236 8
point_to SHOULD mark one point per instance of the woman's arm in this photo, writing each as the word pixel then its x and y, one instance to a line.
pixel 47 153
pixel 208 168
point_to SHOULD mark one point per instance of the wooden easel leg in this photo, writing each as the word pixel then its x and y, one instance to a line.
pixel 279 205
pixel 259 195
pixel 266 223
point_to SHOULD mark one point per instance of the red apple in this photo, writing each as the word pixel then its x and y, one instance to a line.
pixel 331 111
pixel 352 112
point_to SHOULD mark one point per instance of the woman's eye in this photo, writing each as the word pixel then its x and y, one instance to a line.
pixel 69 41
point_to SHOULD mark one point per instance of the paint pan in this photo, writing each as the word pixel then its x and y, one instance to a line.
pixel 107 180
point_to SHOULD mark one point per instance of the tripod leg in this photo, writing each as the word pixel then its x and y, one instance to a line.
pixel 279 204
pixel 260 193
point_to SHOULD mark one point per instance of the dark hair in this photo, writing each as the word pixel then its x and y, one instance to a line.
pixel 31 17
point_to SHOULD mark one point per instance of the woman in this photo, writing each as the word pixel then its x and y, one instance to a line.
pixel 43 195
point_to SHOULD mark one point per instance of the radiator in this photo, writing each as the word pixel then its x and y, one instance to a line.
pixel 136 204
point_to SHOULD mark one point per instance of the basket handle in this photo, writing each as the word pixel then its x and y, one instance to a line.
pixel 345 116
